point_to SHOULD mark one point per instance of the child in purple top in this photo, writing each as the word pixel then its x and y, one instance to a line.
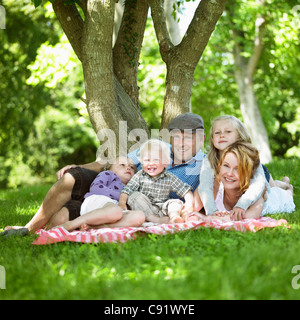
pixel 108 184
pixel 104 193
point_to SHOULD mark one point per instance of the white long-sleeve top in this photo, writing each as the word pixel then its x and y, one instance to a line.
pixel 206 188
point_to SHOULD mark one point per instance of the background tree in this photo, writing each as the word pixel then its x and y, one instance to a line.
pixel 110 73
pixel 42 124
pixel 270 50
pixel 45 125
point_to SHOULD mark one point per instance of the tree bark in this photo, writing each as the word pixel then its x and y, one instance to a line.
pixel 111 74
pixel 108 103
pixel 244 72
pixel 251 113
pixel 181 60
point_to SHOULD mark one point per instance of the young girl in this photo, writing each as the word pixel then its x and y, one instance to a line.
pixel 226 130
pixel 101 202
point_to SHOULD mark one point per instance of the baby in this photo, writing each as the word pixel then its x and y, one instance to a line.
pixel 149 189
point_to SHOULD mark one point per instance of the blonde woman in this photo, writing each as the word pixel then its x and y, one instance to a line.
pixel 237 166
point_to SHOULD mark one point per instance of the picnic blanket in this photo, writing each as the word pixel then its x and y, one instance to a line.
pixel 60 234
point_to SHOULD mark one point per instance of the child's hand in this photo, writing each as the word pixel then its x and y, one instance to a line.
pixel 187 208
pixel 237 214
pixel 123 206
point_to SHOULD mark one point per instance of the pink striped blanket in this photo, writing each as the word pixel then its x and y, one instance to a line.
pixel 59 234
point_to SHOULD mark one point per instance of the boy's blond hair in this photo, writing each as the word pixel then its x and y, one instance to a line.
pixel 156 145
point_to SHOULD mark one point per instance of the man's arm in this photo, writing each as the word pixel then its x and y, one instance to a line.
pixel 96 166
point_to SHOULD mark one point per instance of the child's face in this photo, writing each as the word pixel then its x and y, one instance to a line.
pixel 229 175
pixel 152 163
pixel 224 134
pixel 124 169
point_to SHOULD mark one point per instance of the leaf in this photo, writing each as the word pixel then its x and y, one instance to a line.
pixel 37 3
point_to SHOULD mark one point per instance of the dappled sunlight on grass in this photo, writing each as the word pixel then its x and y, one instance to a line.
pixel 196 264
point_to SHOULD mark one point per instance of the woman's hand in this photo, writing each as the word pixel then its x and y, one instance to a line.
pixel 220 213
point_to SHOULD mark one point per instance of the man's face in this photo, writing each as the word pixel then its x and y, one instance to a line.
pixel 186 145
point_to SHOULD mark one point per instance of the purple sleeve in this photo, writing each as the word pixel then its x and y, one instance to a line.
pixel 108 184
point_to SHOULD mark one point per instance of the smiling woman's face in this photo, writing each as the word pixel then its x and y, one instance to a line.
pixel 229 175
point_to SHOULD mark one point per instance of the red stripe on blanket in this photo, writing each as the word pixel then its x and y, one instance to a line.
pixel 59 234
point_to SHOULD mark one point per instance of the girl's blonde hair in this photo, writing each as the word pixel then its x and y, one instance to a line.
pixel 248 161
pixel 243 135
pixel 159 146
pixel 111 163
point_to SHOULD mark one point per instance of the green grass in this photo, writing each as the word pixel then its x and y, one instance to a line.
pixel 201 264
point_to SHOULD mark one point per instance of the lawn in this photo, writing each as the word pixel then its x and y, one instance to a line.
pixel 192 265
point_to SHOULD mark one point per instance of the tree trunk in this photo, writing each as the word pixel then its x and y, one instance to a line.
pixel 244 71
pixel 110 74
pixel 251 114
pixel 182 59
pixel 113 112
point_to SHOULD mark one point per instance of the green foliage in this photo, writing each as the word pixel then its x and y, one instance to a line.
pixel 276 80
pixel 44 125
pixel 198 265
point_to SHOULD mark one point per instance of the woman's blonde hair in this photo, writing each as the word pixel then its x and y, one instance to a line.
pixel 243 135
pixel 248 161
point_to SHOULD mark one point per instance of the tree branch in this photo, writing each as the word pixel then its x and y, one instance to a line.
pixel 260 26
pixel 128 46
pixel 71 23
pixel 201 27
pixel 161 30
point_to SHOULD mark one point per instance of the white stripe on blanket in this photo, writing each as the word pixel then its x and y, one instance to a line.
pixel 60 234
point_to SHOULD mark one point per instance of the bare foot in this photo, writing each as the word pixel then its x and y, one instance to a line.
pixel 288 187
pixel 85 227
pixel 176 220
pixel 12 227
pixel 286 180
pixel 291 190
pixel 195 216
pixel 68 225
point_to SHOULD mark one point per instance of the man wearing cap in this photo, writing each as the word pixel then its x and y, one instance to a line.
pixel 187 138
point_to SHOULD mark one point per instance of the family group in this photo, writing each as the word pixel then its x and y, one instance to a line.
pixel 167 183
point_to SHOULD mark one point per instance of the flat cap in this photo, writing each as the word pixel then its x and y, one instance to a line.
pixel 186 121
